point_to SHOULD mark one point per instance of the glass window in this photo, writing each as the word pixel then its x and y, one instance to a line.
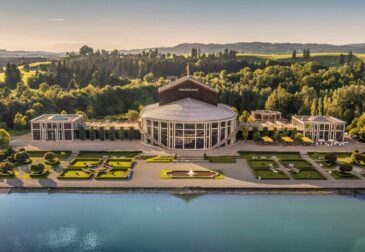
pixel 223 124
pixel 189 133
pixel 163 125
pixel 223 133
pixel 178 126
pixel 200 126
pixel 178 143
pixel 189 143
pixel 155 133
pixel 200 143
pixel 148 122
pixel 214 136
pixel 214 125
pixel 178 133
pixel 155 124
pixel 189 126
pixel 200 133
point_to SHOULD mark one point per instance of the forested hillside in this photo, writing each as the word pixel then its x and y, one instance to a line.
pixel 102 83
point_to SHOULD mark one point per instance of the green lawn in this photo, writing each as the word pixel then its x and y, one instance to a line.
pixel 269 154
pixel 100 154
pixel 74 174
pixel 114 174
pixel 44 174
pixel 85 162
pixel 221 159
pixel 344 175
pixel 299 164
pixel 119 162
pixel 60 154
pixel 268 174
pixel 262 164
pixel 314 174
pixel 320 155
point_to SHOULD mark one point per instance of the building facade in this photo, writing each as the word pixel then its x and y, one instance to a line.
pixel 55 127
pixel 320 128
pixel 264 116
pixel 188 116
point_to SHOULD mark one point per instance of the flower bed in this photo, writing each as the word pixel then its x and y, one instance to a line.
pixel 268 154
pixel 191 174
pixel 114 174
pixel 85 163
pixel 100 154
pixel 119 162
pixel 74 174
pixel 299 164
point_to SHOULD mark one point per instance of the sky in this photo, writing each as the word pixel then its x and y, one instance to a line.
pixel 66 25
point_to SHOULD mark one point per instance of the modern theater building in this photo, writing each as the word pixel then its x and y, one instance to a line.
pixel 188 116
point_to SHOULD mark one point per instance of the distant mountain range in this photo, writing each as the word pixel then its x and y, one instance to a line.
pixel 256 47
pixel 28 54
pixel 246 47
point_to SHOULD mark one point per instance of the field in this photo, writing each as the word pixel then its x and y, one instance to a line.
pixel 29 74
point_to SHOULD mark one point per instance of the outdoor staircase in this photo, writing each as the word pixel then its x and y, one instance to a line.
pixel 190 159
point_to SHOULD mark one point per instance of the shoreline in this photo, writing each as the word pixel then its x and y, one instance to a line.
pixel 189 190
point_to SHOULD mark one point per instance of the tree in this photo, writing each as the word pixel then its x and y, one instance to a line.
pixel 298 137
pixel 82 133
pixel 293 133
pixel 244 116
pixel 349 57
pixel 121 134
pixel 12 76
pixel 86 50
pixel 112 134
pixel 92 134
pixel 132 115
pixel 4 138
pixel 102 133
pixel 148 77
pixel 85 118
pixel 20 121
pixel 276 135
pixel 245 133
pixel 265 131
pixel 294 54
pixel 256 136
pixel 314 107
pixel 320 106
pixel 49 156
pixel 131 133
pixel 341 59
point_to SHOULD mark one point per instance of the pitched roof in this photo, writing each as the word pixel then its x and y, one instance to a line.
pixel 182 80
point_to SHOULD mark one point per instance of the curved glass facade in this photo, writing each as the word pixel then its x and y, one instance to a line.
pixel 189 136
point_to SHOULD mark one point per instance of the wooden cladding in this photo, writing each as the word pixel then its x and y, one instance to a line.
pixel 188 89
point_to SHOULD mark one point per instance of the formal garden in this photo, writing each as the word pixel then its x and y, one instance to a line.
pixel 190 174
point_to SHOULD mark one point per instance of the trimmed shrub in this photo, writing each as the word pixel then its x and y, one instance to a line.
pixel 345 167
pixel 330 158
pixel 37 168
pixel 256 136
pixel 6 167
pixel 21 156
pixel 49 156
pixel 360 157
pixel 2 156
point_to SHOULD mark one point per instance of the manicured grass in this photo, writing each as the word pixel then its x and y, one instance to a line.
pixel 344 175
pixel 221 159
pixel 114 174
pixel 59 154
pixel 186 174
pixel 262 164
pixel 100 154
pixel 269 154
pixel 313 174
pixel 7 175
pixel 119 162
pixel 268 174
pixel 326 165
pixel 160 159
pixel 299 164
pixel 320 155
pixel 85 162
pixel 74 174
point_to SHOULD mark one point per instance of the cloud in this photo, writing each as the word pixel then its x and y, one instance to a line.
pixel 56 19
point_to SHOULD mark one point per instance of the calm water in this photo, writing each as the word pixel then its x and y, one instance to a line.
pixel 161 222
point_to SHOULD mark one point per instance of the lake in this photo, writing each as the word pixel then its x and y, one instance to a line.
pixel 163 222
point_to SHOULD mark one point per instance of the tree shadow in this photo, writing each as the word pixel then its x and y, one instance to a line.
pixel 47 182
pixel 15 182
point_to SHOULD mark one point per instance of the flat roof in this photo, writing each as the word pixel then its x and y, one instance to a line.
pixel 57 118
pixel 188 110
pixel 319 119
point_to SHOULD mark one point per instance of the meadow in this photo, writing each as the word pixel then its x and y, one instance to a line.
pixel 26 74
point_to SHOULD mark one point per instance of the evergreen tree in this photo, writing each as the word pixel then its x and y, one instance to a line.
pixel 294 54
pixel 12 76
pixel 92 134
pixel 320 106
pixel 341 59
pixel 112 134
pixel 102 133
pixel 82 134
pixel 121 134
pixel 349 57
pixel 314 107
pixel 245 133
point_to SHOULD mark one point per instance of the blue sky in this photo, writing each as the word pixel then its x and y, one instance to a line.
pixel 65 25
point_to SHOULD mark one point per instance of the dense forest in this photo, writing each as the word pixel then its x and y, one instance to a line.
pixel 104 83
